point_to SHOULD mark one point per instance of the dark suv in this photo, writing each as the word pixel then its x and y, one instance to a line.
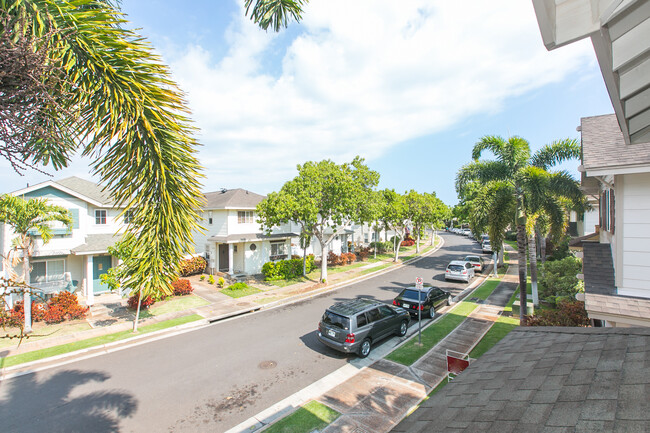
pixel 428 299
pixel 354 325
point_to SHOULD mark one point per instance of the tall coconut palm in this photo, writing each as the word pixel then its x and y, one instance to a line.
pixel 518 184
pixel 115 101
pixel 29 218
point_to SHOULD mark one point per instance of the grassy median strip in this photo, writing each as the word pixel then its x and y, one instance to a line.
pixel 93 342
pixel 411 351
pixel 310 417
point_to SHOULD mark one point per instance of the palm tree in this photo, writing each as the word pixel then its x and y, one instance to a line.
pixel 29 218
pixel 115 101
pixel 517 184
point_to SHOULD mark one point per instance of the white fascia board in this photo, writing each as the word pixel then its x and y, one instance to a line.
pixel 60 188
pixel 89 253
pixel 239 208
pixel 564 22
pixel 611 171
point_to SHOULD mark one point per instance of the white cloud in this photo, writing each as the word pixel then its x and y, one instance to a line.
pixel 363 76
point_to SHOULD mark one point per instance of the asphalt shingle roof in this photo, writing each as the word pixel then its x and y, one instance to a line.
pixel 598 268
pixel 603 145
pixel 547 379
pixel 86 188
pixel 232 198
pixel 98 243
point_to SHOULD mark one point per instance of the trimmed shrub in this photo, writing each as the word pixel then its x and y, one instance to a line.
pixel 238 286
pixel 63 306
pixel 211 279
pixel 286 269
pixel 193 266
pixel 182 287
pixel 146 302
pixel 202 277
pixel 407 243
pixel 363 254
pixel 382 247
pixel 348 258
pixel 69 305
pixel 558 279
pixel 221 282
pixel 569 312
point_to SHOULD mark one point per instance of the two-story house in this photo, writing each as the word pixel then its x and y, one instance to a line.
pixel 74 258
pixel 233 241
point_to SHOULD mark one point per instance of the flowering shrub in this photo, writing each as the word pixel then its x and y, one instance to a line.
pixel 348 258
pixel 363 254
pixel 195 265
pixel 569 313
pixel 63 306
pixel 182 287
pixel 146 302
pixel 343 259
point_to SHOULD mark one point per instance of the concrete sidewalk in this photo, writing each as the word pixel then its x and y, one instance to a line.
pixel 109 315
pixel 377 397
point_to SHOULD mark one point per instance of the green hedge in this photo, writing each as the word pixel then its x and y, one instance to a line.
pixel 286 269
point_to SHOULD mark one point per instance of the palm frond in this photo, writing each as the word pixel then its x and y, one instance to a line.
pixel 556 153
pixel 482 172
pixel 274 13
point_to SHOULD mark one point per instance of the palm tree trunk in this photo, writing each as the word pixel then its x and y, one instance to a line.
pixel 532 253
pixel 542 248
pixel 137 312
pixel 521 262
pixel 27 298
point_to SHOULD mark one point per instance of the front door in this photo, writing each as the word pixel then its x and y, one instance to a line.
pixel 224 264
pixel 101 265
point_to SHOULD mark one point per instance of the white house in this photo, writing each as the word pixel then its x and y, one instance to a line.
pixel 71 260
pixel 233 241
pixel 616 151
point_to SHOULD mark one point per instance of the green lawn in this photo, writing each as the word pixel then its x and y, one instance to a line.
pixel 92 342
pixel 238 293
pixel 411 351
pixel 375 269
pixel 312 416
pixel 177 303
pixel 485 289
pixel 43 331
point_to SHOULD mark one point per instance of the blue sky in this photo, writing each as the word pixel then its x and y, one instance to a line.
pixel 410 86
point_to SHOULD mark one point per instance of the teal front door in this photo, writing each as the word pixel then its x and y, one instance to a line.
pixel 101 265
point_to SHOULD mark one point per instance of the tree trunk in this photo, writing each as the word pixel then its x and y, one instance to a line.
pixel 323 264
pixel 137 312
pixel 417 242
pixel 521 261
pixel 304 262
pixel 532 253
pixel 27 298
pixel 396 244
pixel 376 241
pixel 542 248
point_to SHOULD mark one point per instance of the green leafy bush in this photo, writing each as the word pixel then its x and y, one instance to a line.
pixel 561 249
pixel 202 277
pixel 558 279
pixel 221 282
pixel 192 266
pixel 381 247
pixel 238 286
pixel 211 279
pixel 286 269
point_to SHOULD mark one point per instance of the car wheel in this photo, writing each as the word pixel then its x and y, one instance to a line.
pixel 403 327
pixel 432 313
pixel 449 299
pixel 364 349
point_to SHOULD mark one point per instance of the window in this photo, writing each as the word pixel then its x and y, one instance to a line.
pixel 361 320
pixel 245 217
pixel 128 216
pixel 49 270
pixel 278 248
pixel 100 216
pixel 373 315
pixel 607 210
pixel 210 217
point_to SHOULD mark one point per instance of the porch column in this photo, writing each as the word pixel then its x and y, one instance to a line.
pixel 231 251
pixel 90 290
pixel 217 265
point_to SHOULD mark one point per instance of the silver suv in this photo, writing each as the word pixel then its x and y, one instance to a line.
pixel 355 325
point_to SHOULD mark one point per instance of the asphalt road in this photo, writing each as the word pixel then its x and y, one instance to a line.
pixel 210 379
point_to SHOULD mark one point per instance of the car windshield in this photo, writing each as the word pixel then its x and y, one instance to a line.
pixel 472 259
pixel 412 294
pixel 455 268
pixel 333 319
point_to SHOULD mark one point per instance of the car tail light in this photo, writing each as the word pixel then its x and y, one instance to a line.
pixel 320 327
pixel 394 302
pixel 464 272
pixel 349 338
pixel 421 307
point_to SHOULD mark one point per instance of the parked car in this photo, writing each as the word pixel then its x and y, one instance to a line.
pixel 466 232
pixel 428 300
pixel 459 270
pixel 477 262
pixel 486 247
pixel 355 325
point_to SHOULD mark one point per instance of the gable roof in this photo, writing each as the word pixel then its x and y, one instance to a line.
pixel 75 186
pixel 604 150
pixel 232 199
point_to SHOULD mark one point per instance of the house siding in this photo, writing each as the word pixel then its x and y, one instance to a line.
pixel 635 227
